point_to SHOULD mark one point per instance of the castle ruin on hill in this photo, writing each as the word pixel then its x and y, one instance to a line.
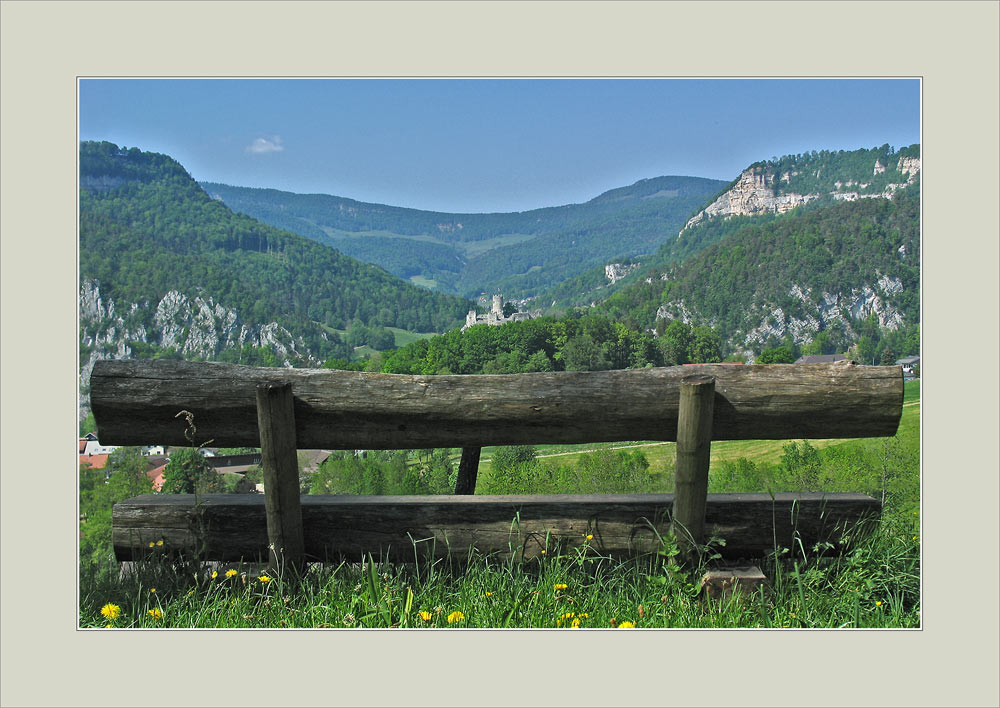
pixel 495 316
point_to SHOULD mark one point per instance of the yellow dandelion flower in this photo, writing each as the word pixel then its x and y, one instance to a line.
pixel 626 625
pixel 568 615
pixel 152 589
pixel 109 626
pixel 155 613
pixel 425 615
pixel 230 573
pixel 878 603
pixel 215 574
pixel 111 611
pixel 456 616
pixel 576 623
pixel 160 542
pixel 558 623
pixel 559 586
pixel 543 551
pixel 151 544
pixel 263 578
pixel 590 537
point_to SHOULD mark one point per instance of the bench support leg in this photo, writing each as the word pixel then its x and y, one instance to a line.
pixel 468 469
pixel 279 464
pixel 694 448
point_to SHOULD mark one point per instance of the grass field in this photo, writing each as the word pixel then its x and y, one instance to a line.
pixel 423 282
pixel 402 336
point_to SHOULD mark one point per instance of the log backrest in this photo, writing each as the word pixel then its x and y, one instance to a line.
pixel 141 402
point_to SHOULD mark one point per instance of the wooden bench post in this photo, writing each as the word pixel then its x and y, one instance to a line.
pixel 279 464
pixel 468 469
pixel 694 448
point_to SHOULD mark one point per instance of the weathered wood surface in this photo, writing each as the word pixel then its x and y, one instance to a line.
pixel 231 527
pixel 468 470
pixel 694 450
pixel 280 471
pixel 135 402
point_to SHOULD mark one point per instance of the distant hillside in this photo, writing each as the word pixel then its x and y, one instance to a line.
pixel 168 271
pixel 521 253
pixel 763 194
pixel 827 267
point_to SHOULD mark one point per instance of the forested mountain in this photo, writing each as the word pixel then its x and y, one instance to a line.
pixel 521 253
pixel 830 270
pixel 763 192
pixel 166 270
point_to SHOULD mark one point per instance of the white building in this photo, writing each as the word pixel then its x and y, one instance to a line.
pixel 90 445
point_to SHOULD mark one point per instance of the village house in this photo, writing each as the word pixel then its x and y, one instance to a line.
pixel 90 445
pixel 910 364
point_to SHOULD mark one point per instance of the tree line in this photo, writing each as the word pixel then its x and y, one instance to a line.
pixel 579 341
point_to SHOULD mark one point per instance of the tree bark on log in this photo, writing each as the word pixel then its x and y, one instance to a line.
pixel 135 402
pixel 233 527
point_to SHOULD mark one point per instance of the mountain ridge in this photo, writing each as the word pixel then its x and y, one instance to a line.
pixel 474 253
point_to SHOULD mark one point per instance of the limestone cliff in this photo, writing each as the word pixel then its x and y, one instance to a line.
pixel 616 271
pixel 758 190
pixel 197 327
pixel 767 320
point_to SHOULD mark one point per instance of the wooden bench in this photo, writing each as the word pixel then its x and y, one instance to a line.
pixel 281 410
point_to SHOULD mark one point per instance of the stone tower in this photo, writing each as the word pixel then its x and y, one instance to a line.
pixel 497 308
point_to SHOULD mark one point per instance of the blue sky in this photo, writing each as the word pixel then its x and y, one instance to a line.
pixel 485 145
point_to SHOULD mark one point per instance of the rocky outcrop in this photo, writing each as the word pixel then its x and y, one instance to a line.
pixel 751 195
pixel 197 327
pixel 772 321
pixel 909 166
pixel 616 271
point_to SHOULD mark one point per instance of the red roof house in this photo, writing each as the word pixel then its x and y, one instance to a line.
pixel 97 462
pixel 155 475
